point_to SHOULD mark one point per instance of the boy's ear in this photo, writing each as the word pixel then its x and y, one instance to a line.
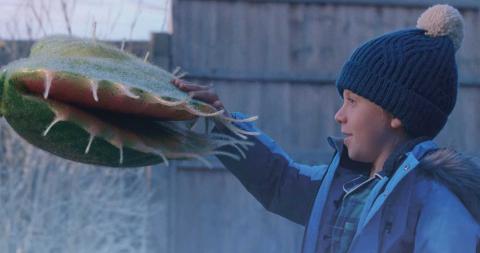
pixel 396 123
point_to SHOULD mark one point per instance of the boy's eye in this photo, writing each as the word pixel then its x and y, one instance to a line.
pixel 350 100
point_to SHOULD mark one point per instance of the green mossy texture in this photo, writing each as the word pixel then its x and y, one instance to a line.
pixel 74 59
pixel 99 61
pixel 29 116
pixel 2 81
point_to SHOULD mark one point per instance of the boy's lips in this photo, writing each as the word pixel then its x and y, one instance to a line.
pixel 346 137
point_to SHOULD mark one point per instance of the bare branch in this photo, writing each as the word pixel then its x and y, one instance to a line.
pixel 37 17
pixel 115 20
pixel 65 15
pixel 47 13
pixel 167 14
pixel 135 19
pixel 94 31
pixel 28 29
pixel 123 45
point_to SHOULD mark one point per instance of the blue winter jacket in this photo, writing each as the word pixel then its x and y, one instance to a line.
pixel 430 202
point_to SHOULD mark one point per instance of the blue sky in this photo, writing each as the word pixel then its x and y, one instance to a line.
pixel 114 19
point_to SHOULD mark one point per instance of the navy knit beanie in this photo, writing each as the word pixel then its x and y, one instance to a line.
pixel 410 73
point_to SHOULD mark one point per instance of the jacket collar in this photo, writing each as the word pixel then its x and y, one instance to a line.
pixel 419 147
pixel 345 162
pixel 336 143
pixel 458 172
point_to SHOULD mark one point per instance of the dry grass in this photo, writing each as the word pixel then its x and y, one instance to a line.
pixel 51 205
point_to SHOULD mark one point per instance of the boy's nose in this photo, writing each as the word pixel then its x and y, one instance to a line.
pixel 339 116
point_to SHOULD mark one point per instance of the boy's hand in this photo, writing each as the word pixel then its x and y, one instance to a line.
pixel 204 93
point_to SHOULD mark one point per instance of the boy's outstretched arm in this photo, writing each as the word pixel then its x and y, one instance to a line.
pixel 269 174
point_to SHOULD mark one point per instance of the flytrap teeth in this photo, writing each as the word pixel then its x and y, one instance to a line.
pixel 178 73
pixel 238 131
pixel 195 123
pixel 121 155
pixel 94 88
pixel 200 113
pixel 117 142
pixel 159 153
pixel 217 152
pixel 165 160
pixel 250 119
pixel 236 146
pixel 170 103
pixel 59 116
pixel 182 75
pixel 145 59
pixel 55 121
pixel 90 139
pixel 94 32
pixel 233 142
pixel 47 82
pixel 126 91
pixel 198 157
pixel 122 47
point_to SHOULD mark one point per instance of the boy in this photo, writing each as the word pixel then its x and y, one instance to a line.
pixel 388 188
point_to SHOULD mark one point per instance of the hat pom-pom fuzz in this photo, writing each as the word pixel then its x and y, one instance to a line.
pixel 440 20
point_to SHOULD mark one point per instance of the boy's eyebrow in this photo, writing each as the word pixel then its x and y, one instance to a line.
pixel 349 93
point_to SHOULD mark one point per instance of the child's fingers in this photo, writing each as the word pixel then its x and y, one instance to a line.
pixel 218 104
pixel 187 87
pixel 207 96
pixel 203 93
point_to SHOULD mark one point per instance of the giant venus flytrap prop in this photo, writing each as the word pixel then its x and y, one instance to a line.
pixel 90 102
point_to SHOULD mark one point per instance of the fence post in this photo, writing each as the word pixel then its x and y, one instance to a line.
pixel 160 50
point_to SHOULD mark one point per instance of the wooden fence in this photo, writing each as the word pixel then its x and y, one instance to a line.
pixel 275 59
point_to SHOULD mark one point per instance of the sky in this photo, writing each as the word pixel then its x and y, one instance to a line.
pixel 114 19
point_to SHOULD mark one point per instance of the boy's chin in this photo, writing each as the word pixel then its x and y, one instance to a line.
pixel 357 157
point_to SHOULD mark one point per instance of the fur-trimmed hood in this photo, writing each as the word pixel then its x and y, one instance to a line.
pixel 460 173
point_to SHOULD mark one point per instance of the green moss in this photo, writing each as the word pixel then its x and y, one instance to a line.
pixel 29 117
pixel 75 60
pixel 2 87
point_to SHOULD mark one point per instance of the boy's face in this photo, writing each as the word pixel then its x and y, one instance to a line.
pixel 367 128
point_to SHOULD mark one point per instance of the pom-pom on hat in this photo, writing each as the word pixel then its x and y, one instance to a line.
pixel 410 73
